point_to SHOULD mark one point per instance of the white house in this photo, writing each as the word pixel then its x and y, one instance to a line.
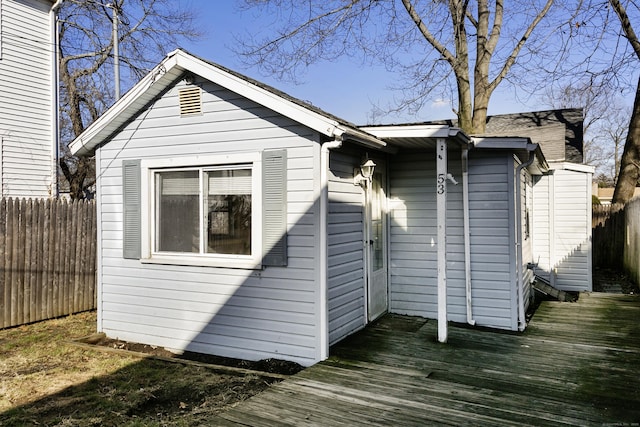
pixel 236 220
pixel 28 98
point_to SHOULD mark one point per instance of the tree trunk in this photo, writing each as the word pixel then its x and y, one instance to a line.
pixel 630 162
pixel 461 65
pixel 465 112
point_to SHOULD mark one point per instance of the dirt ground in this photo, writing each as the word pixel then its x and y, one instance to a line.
pixel 47 380
pixel 612 281
pixel 275 366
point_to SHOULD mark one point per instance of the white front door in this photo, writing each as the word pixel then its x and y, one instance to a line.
pixel 376 241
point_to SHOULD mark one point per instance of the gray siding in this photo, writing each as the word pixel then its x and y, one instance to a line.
pixel 346 268
pixel 26 109
pixel 413 263
pixel 492 224
pixel 526 201
pixel 229 312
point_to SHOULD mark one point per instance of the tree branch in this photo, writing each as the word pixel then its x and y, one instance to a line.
pixel 626 26
pixel 516 50
pixel 300 28
pixel 415 17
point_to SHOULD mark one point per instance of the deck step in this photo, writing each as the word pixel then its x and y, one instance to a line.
pixel 542 285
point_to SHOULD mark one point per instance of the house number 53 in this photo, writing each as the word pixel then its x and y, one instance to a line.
pixel 441 183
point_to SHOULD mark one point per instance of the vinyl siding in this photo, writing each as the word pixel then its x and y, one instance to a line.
pixel 572 230
pixel 413 232
pixel 251 314
pixel 492 224
pixel 26 100
pixel 526 200
pixel 346 267
pixel 542 224
pixel 562 229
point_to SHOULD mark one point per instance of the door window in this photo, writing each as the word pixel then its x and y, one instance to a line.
pixel 377 224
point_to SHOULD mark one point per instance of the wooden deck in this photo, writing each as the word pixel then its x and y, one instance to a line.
pixel 576 364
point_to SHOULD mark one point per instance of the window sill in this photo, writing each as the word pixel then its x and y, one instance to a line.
pixel 202 261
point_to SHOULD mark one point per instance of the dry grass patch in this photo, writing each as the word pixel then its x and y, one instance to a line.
pixel 45 380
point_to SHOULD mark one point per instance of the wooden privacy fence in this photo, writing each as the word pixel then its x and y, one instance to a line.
pixel 608 222
pixel 616 238
pixel 47 259
pixel 632 240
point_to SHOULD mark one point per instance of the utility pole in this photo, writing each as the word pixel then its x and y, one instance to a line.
pixel 116 56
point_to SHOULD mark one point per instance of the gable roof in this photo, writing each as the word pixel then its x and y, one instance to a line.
pixel 176 65
pixel 559 132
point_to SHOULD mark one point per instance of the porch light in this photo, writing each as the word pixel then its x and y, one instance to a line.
pixel 362 175
pixel 367 168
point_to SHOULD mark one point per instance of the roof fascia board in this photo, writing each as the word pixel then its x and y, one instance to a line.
pixel 540 165
pixel 180 61
pixel 362 138
pixel 410 131
pixel 542 161
pixel 417 131
pixel 501 142
pixel 513 143
pixel 257 94
pixel 578 167
pixel 92 136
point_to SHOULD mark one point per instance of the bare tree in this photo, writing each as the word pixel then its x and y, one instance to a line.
pixel 616 132
pixel 605 139
pixel 606 120
pixel 630 162
pixel 146 30
pixel 468 47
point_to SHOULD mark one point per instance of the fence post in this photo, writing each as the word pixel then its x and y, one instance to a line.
pixel 632 240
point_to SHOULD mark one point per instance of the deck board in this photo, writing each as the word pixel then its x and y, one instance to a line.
pixel 576 364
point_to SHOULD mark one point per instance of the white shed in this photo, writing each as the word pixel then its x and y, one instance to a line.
pixel 562 220
pixel 236 220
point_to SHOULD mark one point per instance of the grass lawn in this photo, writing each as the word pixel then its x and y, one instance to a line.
pixel 46 380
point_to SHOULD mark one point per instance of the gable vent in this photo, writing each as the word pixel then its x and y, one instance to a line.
pixel 190 101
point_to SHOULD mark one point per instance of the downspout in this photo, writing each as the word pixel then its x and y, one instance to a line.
pixel 324 244
pixel 467 241
pixel 521 317
pixel 55 98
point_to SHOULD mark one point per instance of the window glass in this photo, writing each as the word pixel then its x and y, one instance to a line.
pixel 228 210
pixel 224 204
pixel 377 224
pixel 177 211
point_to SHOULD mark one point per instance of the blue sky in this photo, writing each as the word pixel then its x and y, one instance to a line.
pixel 344 88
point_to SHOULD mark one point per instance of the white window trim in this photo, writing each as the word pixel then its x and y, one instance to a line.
pixel 147 169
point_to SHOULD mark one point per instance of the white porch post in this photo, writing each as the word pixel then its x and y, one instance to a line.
pixel 441 213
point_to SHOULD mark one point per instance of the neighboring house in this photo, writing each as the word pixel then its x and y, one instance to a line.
pixel 28 98
pixel 559 132
pixel 605 195
pixel 238 221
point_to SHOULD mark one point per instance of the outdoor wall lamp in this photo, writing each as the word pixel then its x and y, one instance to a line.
pixel 363 174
